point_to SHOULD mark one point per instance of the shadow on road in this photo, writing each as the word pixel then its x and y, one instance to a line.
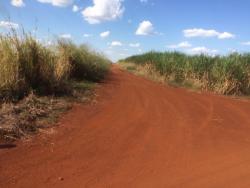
pixel 7 146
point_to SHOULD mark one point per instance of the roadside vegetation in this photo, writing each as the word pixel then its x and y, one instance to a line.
pixel 228 75
pixel 33 75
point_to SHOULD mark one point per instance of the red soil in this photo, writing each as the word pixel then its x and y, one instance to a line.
pixel 139 134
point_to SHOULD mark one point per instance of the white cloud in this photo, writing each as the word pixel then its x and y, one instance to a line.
pixel 207 33
pixel 232 50
pixel 202 50
pixel 116 43
pixel 8 25
pixel 226 35
pixel 200 33
pixel 17 3
pixel 143 1
pixel 135 45
pixel 75 8
pixel 65 36
pixel 145 28
pixel 105 34
pixel 59 3
pixel 184 44
pixel 86 35
pixel 246 43
pixel 103 10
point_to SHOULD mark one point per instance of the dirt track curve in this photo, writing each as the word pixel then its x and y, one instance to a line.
pixel 140 134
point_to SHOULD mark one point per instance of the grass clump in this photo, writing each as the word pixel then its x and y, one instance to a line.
pixel 27 65
pixel 229 75
pixel 83 63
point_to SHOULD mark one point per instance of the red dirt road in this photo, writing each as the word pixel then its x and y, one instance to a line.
pixel 140 134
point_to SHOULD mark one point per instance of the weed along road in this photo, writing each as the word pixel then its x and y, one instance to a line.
pixel 138 134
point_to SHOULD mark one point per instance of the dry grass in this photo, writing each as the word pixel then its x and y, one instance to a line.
pixel 29 115
pixel 146 70
pixel 34 113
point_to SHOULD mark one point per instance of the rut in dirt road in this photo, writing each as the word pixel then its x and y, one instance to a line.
pixel 139 134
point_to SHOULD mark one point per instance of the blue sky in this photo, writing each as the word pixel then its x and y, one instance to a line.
pixel 120 28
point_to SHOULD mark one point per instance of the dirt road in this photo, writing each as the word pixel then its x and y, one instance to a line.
pixel 139 134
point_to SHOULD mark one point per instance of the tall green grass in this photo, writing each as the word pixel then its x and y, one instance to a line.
pixel 27 65
pixel 228 75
